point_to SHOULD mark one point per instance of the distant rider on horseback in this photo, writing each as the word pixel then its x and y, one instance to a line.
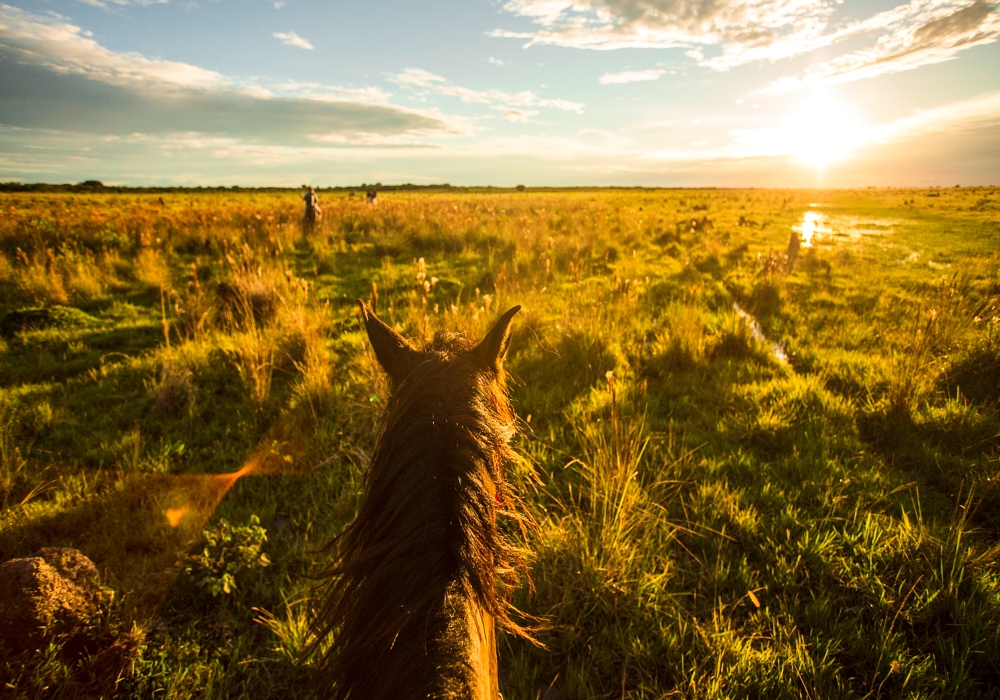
pixel 312 207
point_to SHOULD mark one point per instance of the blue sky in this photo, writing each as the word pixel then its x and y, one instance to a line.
pixel 540 92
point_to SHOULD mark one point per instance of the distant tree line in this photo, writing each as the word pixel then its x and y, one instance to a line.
pixel 93 186
pixel 98 186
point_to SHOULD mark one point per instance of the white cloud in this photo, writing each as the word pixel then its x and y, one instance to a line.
pixel 497 61
pixel 722 34
pixel 613 24
pixel 293 39
pixel 121 3
pixel 631 76
pixel 278 5
pixel 46 61
pixel 927 33
pixel 425 82
pixel 521 116
pixel 368 139
pixel 968 115
pixel 332 93
pixel 66 49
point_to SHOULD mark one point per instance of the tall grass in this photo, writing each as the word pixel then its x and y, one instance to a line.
pixel 712 522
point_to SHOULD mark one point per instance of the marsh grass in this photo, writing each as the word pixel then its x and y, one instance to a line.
pixel 712 522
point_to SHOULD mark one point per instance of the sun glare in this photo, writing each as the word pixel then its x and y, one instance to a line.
pixel 822 132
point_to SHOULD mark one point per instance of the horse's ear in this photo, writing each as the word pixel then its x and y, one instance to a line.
pixel 392 350
pixel 494 346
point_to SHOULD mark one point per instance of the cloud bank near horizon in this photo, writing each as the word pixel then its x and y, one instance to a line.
pixel 54 76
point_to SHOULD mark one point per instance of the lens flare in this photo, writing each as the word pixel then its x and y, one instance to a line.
pixel 174 516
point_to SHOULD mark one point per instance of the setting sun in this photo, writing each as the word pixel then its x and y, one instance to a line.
pixel 822 132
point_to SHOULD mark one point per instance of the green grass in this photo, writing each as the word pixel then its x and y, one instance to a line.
pixel 713 521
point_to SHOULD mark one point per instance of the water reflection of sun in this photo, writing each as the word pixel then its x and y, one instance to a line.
pixel 822 132
pixel 812 224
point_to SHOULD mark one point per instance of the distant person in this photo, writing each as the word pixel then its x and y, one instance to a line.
pixel 312 208
pixel 372 197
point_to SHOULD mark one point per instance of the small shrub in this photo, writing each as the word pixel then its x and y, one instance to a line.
pixel 225 551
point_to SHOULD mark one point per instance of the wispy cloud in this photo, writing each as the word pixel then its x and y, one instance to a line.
pixel 293 39
pixel 332 93
pixel 738 25
pixel 981 112
pixel 45 60
pixel 938 34
pixel 424 82
pixel 723 34
pixel 631 76
pixel 522 116
pixel 104 4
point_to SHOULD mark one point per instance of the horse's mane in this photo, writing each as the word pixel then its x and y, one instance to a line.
pixel 425 534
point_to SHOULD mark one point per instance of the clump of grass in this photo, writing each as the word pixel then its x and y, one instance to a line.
pixel 315 387
pixel 247 299
pixel 151 269
pixel 193 308
pixel 6 270
pixel 38 278
pixel 13 463
pixel 975 370
pixel 734 340
pixel 613 452
pixel 174 391
pixel 253 351
pixel 681 344
pixel 292 631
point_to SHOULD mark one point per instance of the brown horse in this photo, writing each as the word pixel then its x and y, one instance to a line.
pixel 423 571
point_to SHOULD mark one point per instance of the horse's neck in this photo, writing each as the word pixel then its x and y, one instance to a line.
pixel 469 642
pixel 457 639
pixel 482 654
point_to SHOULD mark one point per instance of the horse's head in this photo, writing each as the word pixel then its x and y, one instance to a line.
pixel 450 371
pixel 398 357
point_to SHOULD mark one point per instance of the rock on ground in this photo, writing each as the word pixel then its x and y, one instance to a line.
pixel 57 591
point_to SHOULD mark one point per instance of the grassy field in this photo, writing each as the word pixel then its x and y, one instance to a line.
pixel 758 472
